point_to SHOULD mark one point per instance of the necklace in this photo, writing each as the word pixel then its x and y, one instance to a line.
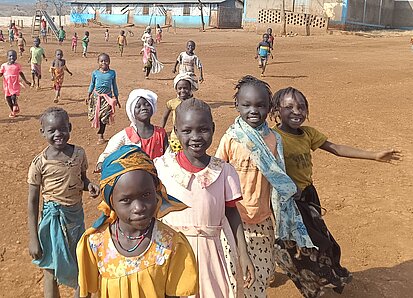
pixel 138 238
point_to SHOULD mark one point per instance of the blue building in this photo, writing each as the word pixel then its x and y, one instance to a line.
pixel 179 13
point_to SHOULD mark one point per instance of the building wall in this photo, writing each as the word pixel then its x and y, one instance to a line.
pixel 403 14
pixel 370 12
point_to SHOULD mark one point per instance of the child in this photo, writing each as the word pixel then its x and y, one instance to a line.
pixel 43 33
pixel 151 63
pixel 209 187
pixel 322 261
pixel 184 84
pixel 101 104
pixel 61 35
pixel 21 43
pixel 146 36
pixel 122 42
pixel 107 35
pixel 58 176
pixel 188 60
pixel 85 43
pixel 270 38
pixel 1 36
pixel 158 33
pixel 36 55
pixel 256 153
pixel 74 42
pixel 263 52
pixel 128 252
pixel 57 70
pixel 11 35
pixel 11 85
pixel 140 107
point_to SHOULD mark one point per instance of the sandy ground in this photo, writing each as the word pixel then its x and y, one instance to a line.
pixel 359 94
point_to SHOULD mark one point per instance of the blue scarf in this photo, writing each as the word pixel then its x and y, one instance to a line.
pixel 289 223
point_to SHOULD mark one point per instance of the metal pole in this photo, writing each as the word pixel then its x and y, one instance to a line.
pixel 364 12
pixel 381 3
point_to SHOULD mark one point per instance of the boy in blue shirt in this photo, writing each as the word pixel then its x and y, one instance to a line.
pixel 263 52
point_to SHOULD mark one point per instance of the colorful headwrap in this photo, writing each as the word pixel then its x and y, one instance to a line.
pixel 187 76
pixel 130 158
pixel 133 98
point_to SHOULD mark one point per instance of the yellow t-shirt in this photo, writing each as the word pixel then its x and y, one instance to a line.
pixel 297 153
pixel 171 105
pixel 254 207
pixel 167 267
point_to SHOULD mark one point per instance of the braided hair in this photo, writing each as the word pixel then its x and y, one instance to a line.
pixel 56 112
pixel 193 104
pixel 249 80
pixel 278 98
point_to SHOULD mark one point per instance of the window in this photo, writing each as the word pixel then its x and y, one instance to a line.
pixel 145 10
pixel 187 10
pixel 109 8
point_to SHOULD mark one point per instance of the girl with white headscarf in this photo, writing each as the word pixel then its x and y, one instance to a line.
pixel 140 107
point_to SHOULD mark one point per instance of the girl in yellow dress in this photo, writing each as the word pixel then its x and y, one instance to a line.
pixel 128 252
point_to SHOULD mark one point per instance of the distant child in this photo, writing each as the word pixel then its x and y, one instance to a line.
pixel 15 31
pixel 150 60
pixel 11 36
pixel 122 41
pixel 74 42
pixel 270 38
pixel 43 34
pixel 57 177
pixel 188 60
pixel 85 43
pixel 140 107
pixel 256 153
pixel 321 258
pixel 61 35
pixel 146 36
pixel 128 252
pixel 21 43
pixel 57 70
pixel 184 84
pixel 107 35
pixel 210 188
pixel 158 33
pixel 263 52
pixel 11 85
pixel 36 55
pixel 103 96
pixel 1 36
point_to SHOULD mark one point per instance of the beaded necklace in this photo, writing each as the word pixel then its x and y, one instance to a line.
pixel 138 238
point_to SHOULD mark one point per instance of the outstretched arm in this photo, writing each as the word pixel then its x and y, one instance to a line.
pixel 23 77
pixel 176 64
pixel 351 152
pixel 92 188
pixel 237 229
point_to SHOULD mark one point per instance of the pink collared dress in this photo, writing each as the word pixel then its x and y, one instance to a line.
pixel 206 193
pixel 11 83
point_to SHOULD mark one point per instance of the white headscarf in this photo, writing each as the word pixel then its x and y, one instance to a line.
pixel 187 76
pixel 133 98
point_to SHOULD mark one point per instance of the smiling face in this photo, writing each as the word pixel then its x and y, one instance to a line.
pixel 11 57
pixel 194 129
pixel 143 110
pixel 253 105
pixel 56 130
pixel 183 89
pixel 134 200
pixel 104 62
pixel 293 111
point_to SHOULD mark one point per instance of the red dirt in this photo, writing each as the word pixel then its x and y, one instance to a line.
pixel 359 91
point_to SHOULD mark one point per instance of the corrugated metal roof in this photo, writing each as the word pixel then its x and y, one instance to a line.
pixel 142 1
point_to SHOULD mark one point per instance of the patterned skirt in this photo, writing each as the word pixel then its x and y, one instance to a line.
pixel 310 269
pixel 105 110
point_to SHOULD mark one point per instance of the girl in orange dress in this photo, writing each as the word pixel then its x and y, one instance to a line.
pixel 57 70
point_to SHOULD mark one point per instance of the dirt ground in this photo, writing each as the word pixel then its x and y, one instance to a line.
pixel 359 91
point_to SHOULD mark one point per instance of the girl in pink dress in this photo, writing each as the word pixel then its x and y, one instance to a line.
pixel 209 187
pixel 11 84
pixel 74 42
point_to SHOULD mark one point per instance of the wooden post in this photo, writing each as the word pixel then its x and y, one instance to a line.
pixel 200 6
pixel 283 21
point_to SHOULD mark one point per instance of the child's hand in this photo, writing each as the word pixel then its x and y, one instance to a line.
pixel 201 79
pixel 388 155
pixel 98 168
pixel 247 270
pixel 93 189
pixel 35 250
pixel 256 57
pixel 71 74
pixel 174 70
pixel 272 57
pixel 27 82
pixel 118 103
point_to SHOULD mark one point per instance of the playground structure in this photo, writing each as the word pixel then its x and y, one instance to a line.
pixel 36 25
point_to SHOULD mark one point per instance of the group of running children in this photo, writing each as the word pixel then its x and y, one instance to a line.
pixel 176 221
